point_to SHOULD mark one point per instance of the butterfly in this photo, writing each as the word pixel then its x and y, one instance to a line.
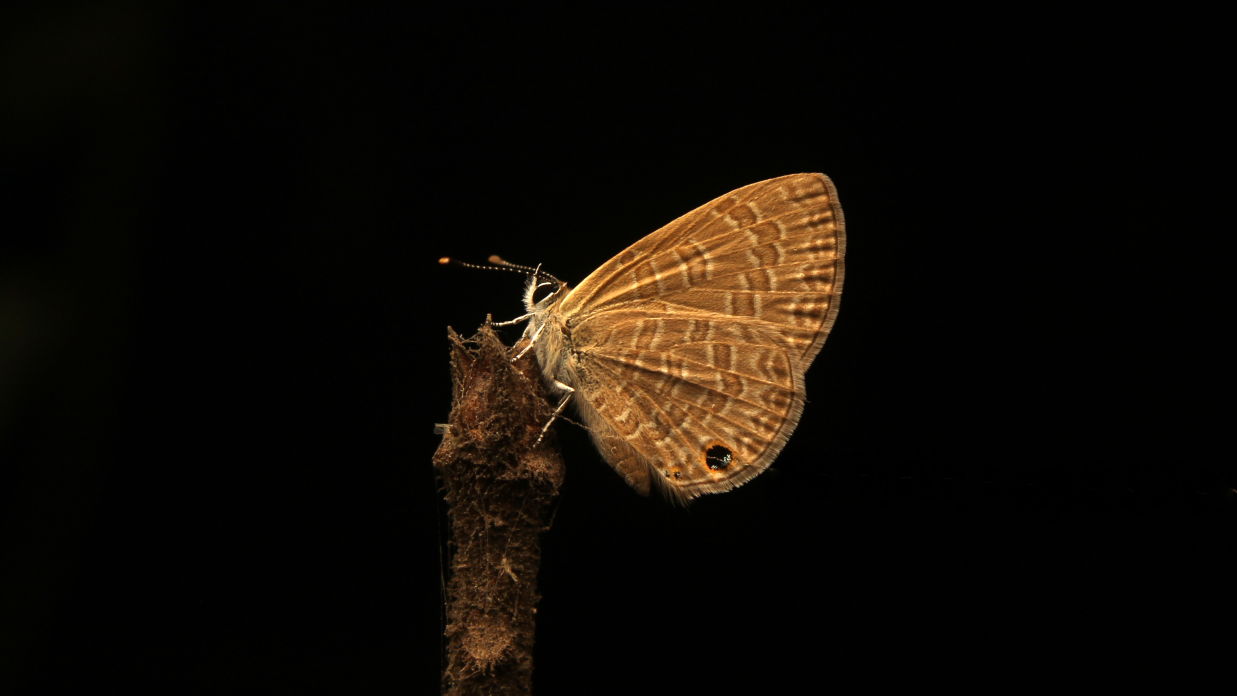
pixel 685 354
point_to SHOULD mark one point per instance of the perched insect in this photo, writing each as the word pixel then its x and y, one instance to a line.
pixel 685 353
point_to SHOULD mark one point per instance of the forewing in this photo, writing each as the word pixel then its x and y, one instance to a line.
pixel 770 252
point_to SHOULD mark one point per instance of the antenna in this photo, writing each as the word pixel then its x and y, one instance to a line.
pixel 500 264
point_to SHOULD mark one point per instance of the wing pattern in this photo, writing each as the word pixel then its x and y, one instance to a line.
pixel 691 345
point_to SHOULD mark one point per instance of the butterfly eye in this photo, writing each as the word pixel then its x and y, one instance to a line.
pixel 540 289
pixel 717 457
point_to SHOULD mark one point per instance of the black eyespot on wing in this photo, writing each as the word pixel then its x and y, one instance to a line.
pixel 718 457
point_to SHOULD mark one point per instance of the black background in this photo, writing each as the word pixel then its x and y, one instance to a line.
pixel 222 345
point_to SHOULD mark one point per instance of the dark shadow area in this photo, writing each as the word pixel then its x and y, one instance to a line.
pixel 223 345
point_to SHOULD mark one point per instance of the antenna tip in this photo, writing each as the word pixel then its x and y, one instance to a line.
pixel 445 260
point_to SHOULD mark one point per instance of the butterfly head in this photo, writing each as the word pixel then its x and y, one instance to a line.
pixel 542 291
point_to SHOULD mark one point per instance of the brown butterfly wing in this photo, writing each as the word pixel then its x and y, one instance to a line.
pixel 691 344
pixel 675 388
pixel 772 249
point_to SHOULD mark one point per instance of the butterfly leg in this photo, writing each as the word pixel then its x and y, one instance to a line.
pixel 531 340
pixel 509 322
pixel 562 404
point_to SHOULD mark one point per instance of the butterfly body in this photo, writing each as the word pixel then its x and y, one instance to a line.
pixel 685 353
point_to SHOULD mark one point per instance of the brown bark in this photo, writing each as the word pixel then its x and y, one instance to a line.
pixel 499 490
